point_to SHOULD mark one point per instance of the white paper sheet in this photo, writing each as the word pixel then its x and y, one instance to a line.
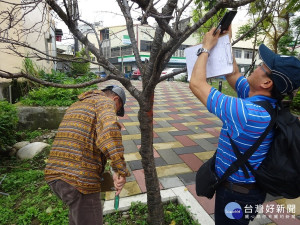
pixel 220 60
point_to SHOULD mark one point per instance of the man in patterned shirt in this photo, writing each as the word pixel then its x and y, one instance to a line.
pixel 244 122
pixel 87 137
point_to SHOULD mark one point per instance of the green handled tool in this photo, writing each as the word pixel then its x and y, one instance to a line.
pixel 116 203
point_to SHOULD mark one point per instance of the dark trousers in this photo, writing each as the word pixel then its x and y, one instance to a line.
pixel 226 215
pixel 84 209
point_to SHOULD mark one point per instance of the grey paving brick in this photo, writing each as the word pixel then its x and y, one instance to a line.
pixel 177 121
pixel 205 144
pixel 208 125
pixel 166 137
pixel 218 123
pixel 188 150
pixel 170 182
pixel 130 146
pixel 131 177
pixel 197 129
pixel 134 118
pixel 190 119
pixel 187 178
pixel 155 140
pixel 213 140
pixel 160 162
pixel 133 130
pixel 137 164
pixel 164 123
pixel 160 114
pixel 137 141
pixel 170 156
pixel 124 132
pixel 125 120
pixel 157 126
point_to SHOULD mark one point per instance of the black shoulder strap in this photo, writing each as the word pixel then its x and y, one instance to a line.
pixel 242 159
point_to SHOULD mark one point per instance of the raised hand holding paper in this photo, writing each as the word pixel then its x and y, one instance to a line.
pixel 220 60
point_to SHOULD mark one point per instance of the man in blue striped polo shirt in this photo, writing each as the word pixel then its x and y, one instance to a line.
pixel 243 121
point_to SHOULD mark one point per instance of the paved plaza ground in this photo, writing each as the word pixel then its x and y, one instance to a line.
pixel 185 136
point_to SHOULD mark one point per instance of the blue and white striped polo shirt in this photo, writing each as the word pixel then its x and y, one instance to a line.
pixel 245 122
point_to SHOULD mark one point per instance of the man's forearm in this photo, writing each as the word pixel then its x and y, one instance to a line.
pixel 198 83
pixel 232 78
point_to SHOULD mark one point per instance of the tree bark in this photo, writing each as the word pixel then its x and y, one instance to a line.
pixel 155 207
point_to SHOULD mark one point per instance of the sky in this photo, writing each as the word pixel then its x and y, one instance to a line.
pixel 109 13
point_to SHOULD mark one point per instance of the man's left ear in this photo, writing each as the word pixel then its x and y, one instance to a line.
pixel 267 83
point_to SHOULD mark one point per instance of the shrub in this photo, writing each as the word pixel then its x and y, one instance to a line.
pixel 296 101
pixel 51 96
pixel 81 67
pixel 54 76
pixel 8 124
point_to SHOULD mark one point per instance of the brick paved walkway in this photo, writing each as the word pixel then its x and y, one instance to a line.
pixel 185 136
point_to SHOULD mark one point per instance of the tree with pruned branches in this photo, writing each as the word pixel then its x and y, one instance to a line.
pixel 160 54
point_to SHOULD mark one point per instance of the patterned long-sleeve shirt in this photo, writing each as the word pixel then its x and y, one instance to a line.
pixel 87 137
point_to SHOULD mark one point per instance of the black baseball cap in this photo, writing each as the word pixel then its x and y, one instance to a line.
pixel 121 93
pixel 285 69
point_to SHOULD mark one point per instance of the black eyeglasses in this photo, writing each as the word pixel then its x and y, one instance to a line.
pixel 263 69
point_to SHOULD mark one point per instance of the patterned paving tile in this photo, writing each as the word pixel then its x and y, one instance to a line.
pixel 192 161
pixel 205 155
pixel 170 182
pixel 167 145
pixel 129 189
pixel 171 170
pixel 185 141
pixel 200 136
pixel 170 156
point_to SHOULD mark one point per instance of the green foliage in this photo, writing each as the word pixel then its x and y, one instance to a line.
pixel 8 124
pixel 226 89
pixel 138 213
pixel 29 67
pixel 296 102
pixel 178 214
pixel 27 135
pixel 201 8
pixel 81 66
pixel 54 76
pixel 30 199
pixel 51 96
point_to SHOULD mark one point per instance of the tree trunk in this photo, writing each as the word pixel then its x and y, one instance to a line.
pixel 155 207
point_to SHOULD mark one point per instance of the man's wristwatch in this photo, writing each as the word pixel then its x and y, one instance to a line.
pixel 201 50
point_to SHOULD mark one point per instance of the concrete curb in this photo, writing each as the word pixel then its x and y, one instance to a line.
pixel 181 194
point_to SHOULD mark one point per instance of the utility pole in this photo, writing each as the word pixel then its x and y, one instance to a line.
pixel 74 14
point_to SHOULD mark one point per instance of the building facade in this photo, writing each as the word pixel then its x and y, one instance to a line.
pixel 28 27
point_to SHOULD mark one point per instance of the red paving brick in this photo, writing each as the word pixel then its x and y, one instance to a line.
pixel 213 131
pixel 179 126
pixel 207 204
pixel 140 179
pixel 175 117
pixel 205 121
pixel 185 141
pixel 155 135
pixel 198 113
pixel 192 161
